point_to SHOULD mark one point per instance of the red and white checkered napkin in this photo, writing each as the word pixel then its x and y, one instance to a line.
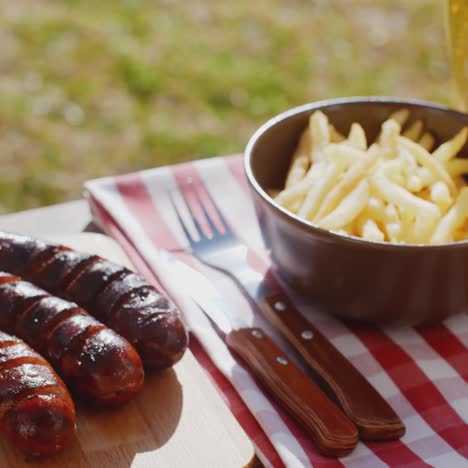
pixel 421 372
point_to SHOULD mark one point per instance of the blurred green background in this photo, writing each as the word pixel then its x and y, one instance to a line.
pixel 97 87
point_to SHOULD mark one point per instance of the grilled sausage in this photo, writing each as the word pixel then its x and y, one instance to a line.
pixel 37 414
pixel 115 295
pixel 98 365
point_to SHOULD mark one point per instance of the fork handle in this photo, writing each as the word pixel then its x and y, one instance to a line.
pixel 334 434
pixel 373 416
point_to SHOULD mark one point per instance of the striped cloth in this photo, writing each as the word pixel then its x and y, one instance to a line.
pixel 422 372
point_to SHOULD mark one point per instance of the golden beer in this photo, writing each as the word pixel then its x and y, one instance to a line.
pixel 457 29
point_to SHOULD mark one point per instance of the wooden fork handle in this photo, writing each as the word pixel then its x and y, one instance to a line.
pixel 334 434
pixel 373 416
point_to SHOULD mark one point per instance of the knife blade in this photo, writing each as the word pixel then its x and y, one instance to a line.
pixel 332 431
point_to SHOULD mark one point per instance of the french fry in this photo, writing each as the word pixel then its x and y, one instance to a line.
pixel 394 190
pixel 344 154
pixel 414 183
pixel 301 160
pixel 368 229
pixel 440 195
pixel 457 166
pixel 388 139
pixel 319 134
pixel 453 220
pixel 393 231
pixel 357 137
pixel 400 116
pixel 375 209
pixel 349 180
pixel 391 213
pixel 393 169
pixel 427 141
pixel 426 176
pixel 349 208
pixel 427 160
pixel 290 195
pixel 413 132
pixel 318 189
pixel 449 149
pixel 426 214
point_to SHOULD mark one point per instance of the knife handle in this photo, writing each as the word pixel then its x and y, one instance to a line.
pixel 334 434
pixel 374 417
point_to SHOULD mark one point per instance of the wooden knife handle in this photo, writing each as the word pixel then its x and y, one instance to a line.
pixel 334 434
pixel 373 416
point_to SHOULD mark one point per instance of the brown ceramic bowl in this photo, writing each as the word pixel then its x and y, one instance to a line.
pixel 349 276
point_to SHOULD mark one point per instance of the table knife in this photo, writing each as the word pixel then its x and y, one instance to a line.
pixel 332 431
pixel 370 412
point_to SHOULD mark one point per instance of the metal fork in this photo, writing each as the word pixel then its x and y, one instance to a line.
pixel 222 250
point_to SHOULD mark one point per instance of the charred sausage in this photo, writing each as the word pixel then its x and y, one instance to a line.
pixel 98 365
pixel 37 414
pixel 113 294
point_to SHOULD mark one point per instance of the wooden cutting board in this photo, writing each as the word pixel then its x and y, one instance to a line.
pixel 178 420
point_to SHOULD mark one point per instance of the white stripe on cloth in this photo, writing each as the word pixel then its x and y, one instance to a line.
pixel 431 364
pixel 284 442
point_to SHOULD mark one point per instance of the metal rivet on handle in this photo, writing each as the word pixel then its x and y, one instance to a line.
pixel 282 360
pixel 280 306
pixel 307 335
pixel 257 334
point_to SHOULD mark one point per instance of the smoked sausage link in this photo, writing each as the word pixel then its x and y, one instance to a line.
pixel 113 294
pixel 37 414
pixel 97 364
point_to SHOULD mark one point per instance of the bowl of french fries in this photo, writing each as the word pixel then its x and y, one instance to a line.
pixel 363 204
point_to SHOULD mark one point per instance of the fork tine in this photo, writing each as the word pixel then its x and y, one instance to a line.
pixel 213 227
pixel 227 229
pixel 187 233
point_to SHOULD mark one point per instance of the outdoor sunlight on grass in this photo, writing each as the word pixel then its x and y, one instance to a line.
pixel 94 88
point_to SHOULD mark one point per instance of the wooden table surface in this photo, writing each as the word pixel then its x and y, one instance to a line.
pixel 179 420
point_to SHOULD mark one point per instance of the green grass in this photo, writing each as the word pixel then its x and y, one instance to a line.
pixel 92 88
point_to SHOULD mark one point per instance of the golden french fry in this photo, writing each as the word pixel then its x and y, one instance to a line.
pixel 344 154
pixel 457 166
pixel 357 137
pixel 349 208
pixel 393 169
pixel 388 139
pixel 295 205
pixel 426 214
pixel 290 195
pixel 427 141
pixel 319 134
pixel 318 189
pixel 453 220
pixel 349 180
pixel 375 209
pixel 393 231
pixel 368 229
pixel 400 116
pixel 395 190
pixel 426 176
pixel 414 183
pixel 301 160
pixel 459 182
pixel 391 213
pixel 427 160
pixel 440 195
pixel 449 149
pixel 413 132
